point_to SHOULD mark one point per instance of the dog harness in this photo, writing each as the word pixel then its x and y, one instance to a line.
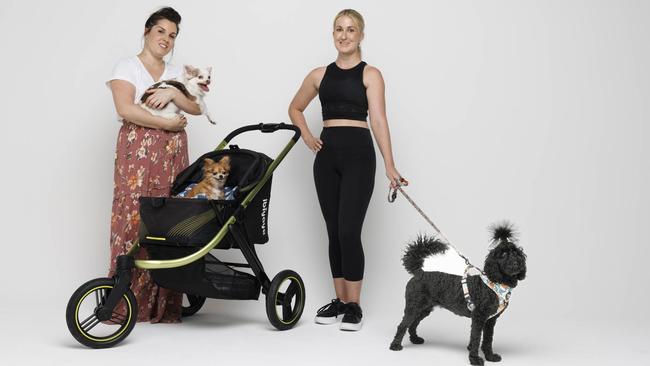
pixel 503 292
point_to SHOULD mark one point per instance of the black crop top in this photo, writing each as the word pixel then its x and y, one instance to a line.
pixel 342 93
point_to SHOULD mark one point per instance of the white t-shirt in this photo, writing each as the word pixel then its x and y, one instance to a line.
pixel 132 70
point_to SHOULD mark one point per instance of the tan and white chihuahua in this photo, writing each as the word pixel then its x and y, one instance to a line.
pixel 214 179
pixel 193 84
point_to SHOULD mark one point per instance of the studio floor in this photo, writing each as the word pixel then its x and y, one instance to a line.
pixel 220 334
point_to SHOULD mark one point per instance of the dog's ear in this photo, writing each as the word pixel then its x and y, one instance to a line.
pixel 190 70
pixel 491 266
pixel 207 162
pixel 209 70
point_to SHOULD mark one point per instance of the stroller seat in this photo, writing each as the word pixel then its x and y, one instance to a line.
pixel 172 221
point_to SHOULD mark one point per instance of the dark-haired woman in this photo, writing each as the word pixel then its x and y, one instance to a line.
pixel 344 168
pixel 150 152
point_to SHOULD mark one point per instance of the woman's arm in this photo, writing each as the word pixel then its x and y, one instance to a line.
pixel 123 95
pixel 307 92
pixel 378 121
pixel 160 97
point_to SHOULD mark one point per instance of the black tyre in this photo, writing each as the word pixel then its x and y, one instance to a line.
pixel 285 300
pixel 195 304
pixel 81 315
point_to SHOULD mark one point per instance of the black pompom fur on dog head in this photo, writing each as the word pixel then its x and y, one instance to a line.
pixel 503 231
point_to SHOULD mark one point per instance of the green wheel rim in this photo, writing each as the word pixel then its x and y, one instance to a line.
pixel 124 326
pixel 299 295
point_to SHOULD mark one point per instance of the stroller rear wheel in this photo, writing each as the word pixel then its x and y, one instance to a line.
pixel 195 304
pixel 285 300
pixel 82 314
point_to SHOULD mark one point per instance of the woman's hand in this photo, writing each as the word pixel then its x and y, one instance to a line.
pixel 176 124
pixel 313 143
pixel 395 178
pixel 160 97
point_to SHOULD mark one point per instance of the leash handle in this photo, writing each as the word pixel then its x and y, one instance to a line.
pixel 392 192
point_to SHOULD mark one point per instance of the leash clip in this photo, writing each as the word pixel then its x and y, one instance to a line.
pixel 392 194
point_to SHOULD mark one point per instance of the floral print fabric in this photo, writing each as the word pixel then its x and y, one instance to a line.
pixel 146 163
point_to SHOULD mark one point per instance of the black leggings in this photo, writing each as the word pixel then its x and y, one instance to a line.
pixel 344 172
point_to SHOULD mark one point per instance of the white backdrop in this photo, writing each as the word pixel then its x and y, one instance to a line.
pixel 534 111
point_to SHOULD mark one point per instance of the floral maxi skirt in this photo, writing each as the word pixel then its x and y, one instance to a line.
pixel 146 163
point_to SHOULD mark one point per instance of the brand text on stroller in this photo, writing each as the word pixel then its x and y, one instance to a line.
pixel 265 203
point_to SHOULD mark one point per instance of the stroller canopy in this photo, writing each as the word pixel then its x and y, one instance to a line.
pixel 246 169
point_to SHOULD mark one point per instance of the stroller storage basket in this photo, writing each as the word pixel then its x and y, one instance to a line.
pixel 206 277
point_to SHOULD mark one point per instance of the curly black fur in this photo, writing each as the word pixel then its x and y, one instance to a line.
pixel 421 248
pixel 505 264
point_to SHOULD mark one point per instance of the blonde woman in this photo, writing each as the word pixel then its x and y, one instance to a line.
pixel 344 168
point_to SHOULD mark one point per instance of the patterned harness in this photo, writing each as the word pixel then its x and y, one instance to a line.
pixel 502 291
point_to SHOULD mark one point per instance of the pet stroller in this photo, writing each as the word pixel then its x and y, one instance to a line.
pixel 179 234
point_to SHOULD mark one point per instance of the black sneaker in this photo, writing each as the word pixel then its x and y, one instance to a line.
pixel 330 313
pixel 353 317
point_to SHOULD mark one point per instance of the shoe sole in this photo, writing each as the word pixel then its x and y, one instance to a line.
pixel 351 326
pixel 327 320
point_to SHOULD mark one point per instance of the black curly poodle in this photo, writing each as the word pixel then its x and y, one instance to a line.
pixel 505 265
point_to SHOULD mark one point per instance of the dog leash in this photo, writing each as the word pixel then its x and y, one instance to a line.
pixel 392 195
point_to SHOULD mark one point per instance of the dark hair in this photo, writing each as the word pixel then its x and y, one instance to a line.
pixel 163 13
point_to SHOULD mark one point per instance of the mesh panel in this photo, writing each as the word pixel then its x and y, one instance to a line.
pixel 226 280
pixel 207 276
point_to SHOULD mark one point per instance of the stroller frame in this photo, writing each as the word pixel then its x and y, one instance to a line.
pixel 121 281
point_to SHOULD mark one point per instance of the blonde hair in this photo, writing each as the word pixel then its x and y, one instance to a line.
pixel 356 17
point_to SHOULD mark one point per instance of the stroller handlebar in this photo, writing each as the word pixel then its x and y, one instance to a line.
pixel 265 128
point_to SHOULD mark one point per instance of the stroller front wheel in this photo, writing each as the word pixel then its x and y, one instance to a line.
pixel 285 300
pixel 84 320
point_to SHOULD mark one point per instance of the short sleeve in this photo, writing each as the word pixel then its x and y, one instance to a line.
pixel 123 70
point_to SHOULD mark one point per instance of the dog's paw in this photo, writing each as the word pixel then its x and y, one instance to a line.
pixel 395 347
pixel 493 357
pixel 476 360
pixel 416 340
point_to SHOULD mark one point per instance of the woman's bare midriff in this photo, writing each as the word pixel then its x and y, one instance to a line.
pixel 345 123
